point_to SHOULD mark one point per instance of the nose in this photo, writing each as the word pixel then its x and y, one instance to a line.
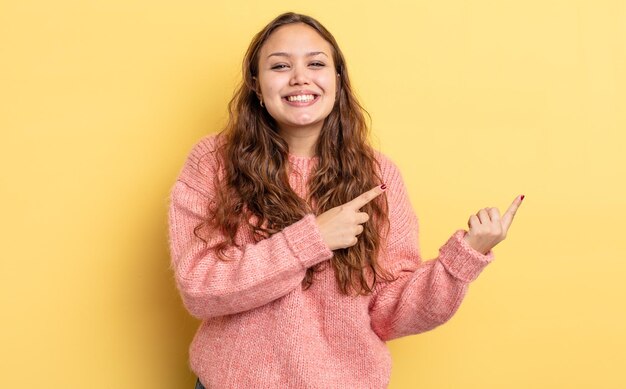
pixel 299 75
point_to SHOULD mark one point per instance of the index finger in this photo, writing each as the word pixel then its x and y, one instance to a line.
pixel 511 211
pixel 366 197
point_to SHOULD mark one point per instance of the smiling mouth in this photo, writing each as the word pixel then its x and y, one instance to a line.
pixel 301 98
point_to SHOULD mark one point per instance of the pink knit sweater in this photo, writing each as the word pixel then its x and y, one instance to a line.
pixel 260 329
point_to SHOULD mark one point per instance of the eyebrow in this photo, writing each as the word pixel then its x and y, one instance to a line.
pixel 283 54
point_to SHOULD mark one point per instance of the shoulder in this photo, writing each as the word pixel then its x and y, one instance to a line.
pixel 205 146
pixel 201 164
pixel 402 218
pixel 397 193
pixel 387 168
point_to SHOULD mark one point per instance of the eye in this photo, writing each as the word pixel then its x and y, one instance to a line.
pixel 279 66
pixel 318 64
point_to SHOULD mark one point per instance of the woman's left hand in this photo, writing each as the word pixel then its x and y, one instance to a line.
pixel 487 229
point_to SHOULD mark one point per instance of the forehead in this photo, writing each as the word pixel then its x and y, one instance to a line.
pixel 295 39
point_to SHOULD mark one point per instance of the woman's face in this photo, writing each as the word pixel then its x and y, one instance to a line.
pixel 297 80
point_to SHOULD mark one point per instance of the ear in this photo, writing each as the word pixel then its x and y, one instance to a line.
pixel 255 83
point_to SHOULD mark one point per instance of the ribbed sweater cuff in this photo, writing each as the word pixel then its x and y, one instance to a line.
pixel 306 243
pixel 462 260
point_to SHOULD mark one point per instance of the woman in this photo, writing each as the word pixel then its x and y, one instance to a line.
pixel 295 242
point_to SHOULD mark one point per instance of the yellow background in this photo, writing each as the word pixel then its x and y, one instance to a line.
pixel 476 101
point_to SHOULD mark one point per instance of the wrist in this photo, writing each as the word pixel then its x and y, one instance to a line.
pixel 474 245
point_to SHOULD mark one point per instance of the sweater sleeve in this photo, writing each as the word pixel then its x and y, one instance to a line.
pixel 255 274
pixel 424 295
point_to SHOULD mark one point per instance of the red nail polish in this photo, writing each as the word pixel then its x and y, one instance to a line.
pixel 522 197
pixel 383 186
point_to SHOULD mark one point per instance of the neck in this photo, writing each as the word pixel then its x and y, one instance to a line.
pixel 301 141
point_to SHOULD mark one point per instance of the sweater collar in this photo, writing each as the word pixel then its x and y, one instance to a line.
pixel 303 164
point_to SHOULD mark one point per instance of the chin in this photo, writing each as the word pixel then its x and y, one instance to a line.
pixel 303 122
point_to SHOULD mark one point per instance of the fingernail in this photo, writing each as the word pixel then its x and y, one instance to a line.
pixel 383 187
pixel 522 197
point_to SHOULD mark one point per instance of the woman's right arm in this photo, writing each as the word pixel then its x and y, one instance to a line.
pixel 256 274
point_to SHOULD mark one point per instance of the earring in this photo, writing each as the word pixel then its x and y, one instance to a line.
pixel 261 102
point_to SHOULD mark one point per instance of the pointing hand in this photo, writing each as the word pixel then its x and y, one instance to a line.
pixel 487 229
pixel 341 225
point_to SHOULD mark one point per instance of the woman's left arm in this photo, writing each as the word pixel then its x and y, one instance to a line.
pixel 424 295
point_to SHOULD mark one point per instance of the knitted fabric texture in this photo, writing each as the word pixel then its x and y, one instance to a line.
pixel 261 329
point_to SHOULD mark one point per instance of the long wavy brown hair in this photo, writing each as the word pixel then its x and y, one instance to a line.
pixel 255 190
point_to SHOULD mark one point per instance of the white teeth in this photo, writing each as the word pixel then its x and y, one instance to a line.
pixel 301 98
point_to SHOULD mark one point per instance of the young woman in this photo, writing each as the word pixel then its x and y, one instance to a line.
pixel 295 242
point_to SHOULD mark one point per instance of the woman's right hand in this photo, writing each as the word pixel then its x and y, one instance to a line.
pixel 341 225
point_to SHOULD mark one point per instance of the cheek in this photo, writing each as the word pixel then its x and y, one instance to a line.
pixel 331 87
pixel 327 82
pixel 267 89
pixel 269 85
